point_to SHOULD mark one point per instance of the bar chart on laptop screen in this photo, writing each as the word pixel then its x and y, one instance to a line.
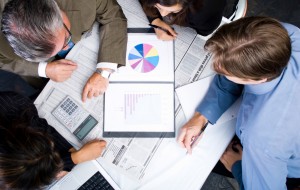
pixel 142 108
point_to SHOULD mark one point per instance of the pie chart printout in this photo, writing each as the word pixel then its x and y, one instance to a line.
pixel 143 58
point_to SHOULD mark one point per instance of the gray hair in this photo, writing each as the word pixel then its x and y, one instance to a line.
pixel 31 26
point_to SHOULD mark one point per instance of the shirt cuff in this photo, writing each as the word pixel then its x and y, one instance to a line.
pixel 112 66
pixel 42 69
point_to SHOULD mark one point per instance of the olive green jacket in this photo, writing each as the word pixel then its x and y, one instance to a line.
pixel 82 14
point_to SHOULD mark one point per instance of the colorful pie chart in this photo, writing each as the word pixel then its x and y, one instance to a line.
pixel 143 58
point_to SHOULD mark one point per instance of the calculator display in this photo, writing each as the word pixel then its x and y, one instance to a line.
pixel 74 117
pixel 85 127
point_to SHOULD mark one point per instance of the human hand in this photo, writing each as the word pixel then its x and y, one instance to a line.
pixel 190 131
pixel 60 70
pixel 165 32
pixel 232 154
pixel 95 86
pixel 61 174
pixel 89 151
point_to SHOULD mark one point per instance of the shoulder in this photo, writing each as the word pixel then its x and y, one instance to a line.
pixel 8 98
pixel 68 5
pixel 211 5
pixel 2 5
pixel 5 49
pixel 294 63
pixel 294 33
pixel 290 27
pixel 71 5
pixel 207 17
pixel 13 105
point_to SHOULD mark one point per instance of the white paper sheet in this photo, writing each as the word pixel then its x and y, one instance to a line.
pixel 139 107
pixel 189 172
pixel 191 95
pixel 147 59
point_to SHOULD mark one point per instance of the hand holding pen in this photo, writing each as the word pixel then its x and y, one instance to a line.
pixel 192 131
pixel 163 30
pixel 195 139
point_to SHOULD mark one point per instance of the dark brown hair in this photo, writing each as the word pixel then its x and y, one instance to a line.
pixel 178 18
pixel 250 48
pixel 27 159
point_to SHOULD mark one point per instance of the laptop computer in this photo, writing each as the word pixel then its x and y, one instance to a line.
pixel 87 175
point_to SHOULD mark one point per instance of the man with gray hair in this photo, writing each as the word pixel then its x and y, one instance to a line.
pixel 34 32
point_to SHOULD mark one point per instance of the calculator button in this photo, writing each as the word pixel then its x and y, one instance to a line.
pixel 69 113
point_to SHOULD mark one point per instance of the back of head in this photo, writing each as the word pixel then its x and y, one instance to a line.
pixel 250 48
pixel 30 26
pixel 27 158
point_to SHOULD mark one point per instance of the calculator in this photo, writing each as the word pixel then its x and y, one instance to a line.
pixel 74 117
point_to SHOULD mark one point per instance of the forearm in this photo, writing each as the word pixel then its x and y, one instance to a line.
pixel 155 14
pixel 155 19
pixel 221 94
pixel 113 32
pixel 19 66
pixel 88 151
pixel 113 43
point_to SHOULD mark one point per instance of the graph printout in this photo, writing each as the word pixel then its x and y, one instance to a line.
pixel 147 59
pixel 139 107
pixel 143 58
pixel 139 100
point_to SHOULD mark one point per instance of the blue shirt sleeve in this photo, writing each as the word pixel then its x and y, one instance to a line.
pixel 221 94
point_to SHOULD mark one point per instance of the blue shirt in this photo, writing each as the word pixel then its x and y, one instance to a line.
pixel 268 122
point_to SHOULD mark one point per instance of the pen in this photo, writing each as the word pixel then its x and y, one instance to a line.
pixel 161 28
pixel 201 131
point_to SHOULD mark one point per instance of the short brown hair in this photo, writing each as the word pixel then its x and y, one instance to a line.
pixel 250 48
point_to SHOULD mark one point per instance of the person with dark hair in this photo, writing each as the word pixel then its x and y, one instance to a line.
pixel 257 59
pixel 32 153
pixel 202 15
pixel 34 32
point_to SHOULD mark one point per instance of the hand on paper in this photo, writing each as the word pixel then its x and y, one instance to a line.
pixel 89 151
pixel 60 70
pixel 95 86
pixel 230 156
pixel 161 34
pixel 190 131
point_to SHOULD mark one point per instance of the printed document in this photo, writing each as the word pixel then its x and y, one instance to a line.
pixel 140 97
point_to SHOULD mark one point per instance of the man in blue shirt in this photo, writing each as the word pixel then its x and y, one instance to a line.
pixel 257 59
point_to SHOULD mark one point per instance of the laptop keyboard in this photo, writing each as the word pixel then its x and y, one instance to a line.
pixel 97 181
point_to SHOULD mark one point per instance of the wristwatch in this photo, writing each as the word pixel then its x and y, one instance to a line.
pixel 103 73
